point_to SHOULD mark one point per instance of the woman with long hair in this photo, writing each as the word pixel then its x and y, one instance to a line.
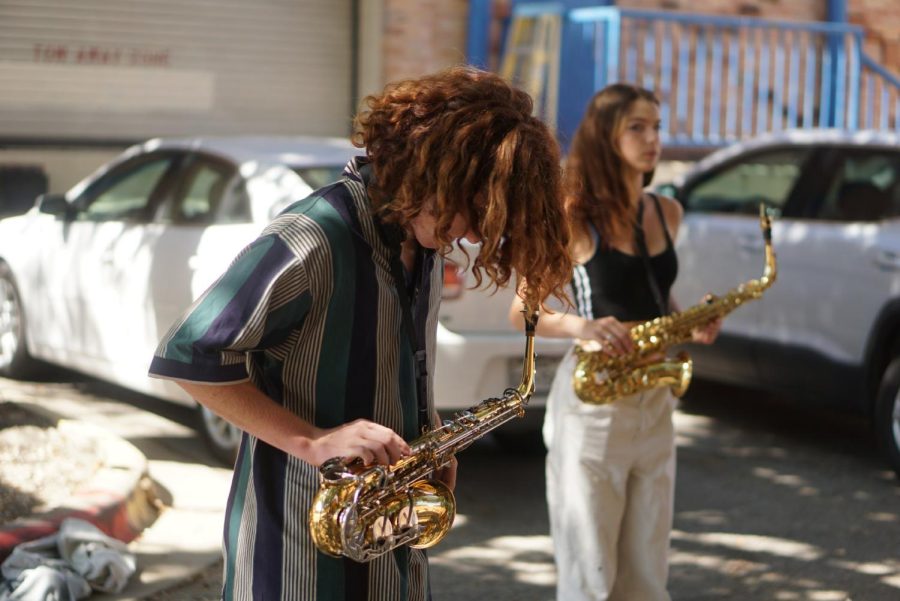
pixel 611 468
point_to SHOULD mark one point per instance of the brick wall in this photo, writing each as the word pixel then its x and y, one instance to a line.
pixel 421 36
pixel 881 20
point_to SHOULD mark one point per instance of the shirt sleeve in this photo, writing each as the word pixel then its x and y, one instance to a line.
pixel 255 304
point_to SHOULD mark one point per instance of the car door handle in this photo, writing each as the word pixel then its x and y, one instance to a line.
pixel 887 259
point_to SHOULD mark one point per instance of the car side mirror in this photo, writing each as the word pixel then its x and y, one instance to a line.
pixel 53 204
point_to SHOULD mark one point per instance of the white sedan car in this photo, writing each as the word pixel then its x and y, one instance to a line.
pixel 93 279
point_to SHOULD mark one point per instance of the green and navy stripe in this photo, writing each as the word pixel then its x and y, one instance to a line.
pixel 308 312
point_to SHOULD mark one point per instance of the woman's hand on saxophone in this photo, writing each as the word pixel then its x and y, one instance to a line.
pixel 612 335
pixel 371 442
pixel 708 333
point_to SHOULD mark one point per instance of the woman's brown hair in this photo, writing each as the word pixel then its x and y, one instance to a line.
pixel 595 170
pixel 466 140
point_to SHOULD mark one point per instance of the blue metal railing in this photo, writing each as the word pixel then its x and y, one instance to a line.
pixel 722 79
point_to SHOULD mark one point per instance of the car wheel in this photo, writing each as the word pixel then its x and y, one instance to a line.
pixel 222 437
pixel 887 414
pixel 14 359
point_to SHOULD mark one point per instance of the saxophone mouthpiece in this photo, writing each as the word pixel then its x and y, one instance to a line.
pixel 765 222
pixel 531 318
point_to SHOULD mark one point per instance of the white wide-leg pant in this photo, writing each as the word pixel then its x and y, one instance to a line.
pixel 610 488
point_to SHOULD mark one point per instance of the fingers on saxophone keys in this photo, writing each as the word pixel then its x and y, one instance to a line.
pixel 612 344
pixel 364 454
pixel 387 445
pixel 371 452
pixel 624 335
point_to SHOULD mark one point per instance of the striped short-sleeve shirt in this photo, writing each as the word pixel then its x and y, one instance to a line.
pixel 310 313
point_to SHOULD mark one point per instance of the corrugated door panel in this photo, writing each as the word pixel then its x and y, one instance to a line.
pixel 131 69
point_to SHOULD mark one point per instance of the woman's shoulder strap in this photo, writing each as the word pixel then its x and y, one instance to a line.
pixel 662 217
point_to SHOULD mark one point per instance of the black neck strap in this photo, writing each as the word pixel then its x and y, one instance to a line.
pixel 641 244
pixel 414 295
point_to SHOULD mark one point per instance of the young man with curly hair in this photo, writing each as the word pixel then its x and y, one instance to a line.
pixel 312 339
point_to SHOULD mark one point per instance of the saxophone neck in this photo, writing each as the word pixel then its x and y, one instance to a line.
pixel 765 224
pixel 526 387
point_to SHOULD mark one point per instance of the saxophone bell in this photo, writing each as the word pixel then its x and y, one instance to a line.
pixel 362 512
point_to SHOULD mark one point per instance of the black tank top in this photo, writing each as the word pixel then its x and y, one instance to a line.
pixel 615 283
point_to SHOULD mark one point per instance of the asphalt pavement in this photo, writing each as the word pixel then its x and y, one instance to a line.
pixel 773 502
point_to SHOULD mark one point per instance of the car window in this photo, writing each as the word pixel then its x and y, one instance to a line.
pixel 741 186
pixel 199 192
pixel 317 177
pixel 126 193
pixel 235 204
pixel 865 187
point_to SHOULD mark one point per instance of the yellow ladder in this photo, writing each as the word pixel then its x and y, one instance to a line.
pixel 531 55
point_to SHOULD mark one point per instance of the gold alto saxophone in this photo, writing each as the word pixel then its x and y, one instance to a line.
pixel 363 511
pixel 600 378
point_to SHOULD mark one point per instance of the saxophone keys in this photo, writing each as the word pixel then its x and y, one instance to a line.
pixel 407 519
pixel 382 530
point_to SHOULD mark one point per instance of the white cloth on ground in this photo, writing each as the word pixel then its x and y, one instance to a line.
pixel 67 565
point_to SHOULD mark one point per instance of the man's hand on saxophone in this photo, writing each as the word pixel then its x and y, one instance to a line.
pixel 371 442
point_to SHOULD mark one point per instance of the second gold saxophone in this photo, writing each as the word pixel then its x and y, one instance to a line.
pixel 600 378
pixel 363 511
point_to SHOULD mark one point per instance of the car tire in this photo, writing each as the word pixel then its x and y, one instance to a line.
pixel 887 414
pixel 222 437
pixel 15 362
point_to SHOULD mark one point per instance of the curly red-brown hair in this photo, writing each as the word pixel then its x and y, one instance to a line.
pixel 466 140
pixel 595 182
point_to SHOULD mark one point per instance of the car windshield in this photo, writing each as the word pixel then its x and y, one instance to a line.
pixel 317 177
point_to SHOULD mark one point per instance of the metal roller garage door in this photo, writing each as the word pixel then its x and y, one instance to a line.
pixel 132 69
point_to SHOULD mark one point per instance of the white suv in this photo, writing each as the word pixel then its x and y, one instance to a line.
pixel 828 331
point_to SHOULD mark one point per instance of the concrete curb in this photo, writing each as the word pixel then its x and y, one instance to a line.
pixel 119 499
